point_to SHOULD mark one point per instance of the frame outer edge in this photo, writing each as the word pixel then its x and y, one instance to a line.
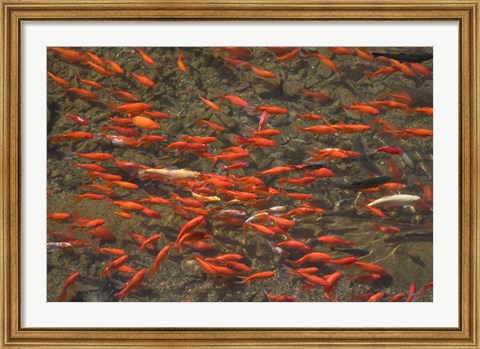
pixel 9 158
pixel 475 170
pixel 3 179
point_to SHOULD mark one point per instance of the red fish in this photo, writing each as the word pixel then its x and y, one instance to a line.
pixel 235 166
pixel 95 58
pixel 95 156
pixel 294 245
pixel 140 239
pixel 254 141
pixel 384 229
pixel 234 51
pixel 375 211
pixel 302 181
pixel 288 56
pixel 341 51
pixel 376 297
pixel 58 217
pixel 316 95
pixel 363 109
pixel 382 71
pixel 257 276
pixel 211 125
pixel 101 233
pixel 131 108
pixel 115 66
pixel 148 241
pixel 90 196
pixel 159 259
pixel 135 282
pixel 372 268
pixel 262 73
pixel 82 93
pixel 335 241
pixel 343 261
pixel 424 110
pixel 209 103
pixel 235 100
pixel 180 63
pixel 271 109
pixel 318 130
pixel 59 81
pixel 390 150
pixel 143 80
pixel 364 54
pixel 78 119
pixel 68 283
pixel 68 55
pixel 99 69
pixel 332 66
pixel 125 131
pixel 279 298
pixel 314 257
pixel 146 58
pixel 111 251
pixel 145 123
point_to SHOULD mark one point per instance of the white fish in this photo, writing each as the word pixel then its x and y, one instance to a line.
pixel 395 200
pixel 56 246
pixel 276 209
pixel 256 216
pixel 171 173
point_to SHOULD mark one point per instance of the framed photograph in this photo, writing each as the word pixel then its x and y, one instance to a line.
pixel 264 174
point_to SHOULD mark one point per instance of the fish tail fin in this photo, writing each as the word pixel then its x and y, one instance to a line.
pixel 79 198
pixel 375 226
pixel 56 139
pixel 120 295
pixel 329 124
pixel 299 128
pixel 243 280
pixel 294 263
pixel 151 271
pixel 289 270
pixel 249 130
pixel 112 105
pixel 74 217
pixel 213 159
pixel 63 296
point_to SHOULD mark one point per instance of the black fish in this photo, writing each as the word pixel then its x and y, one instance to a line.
pixel 368 183
pixel 353 251
pixel 405 57
pixel 364 159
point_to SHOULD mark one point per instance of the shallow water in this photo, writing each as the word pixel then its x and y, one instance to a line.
pixel 407 256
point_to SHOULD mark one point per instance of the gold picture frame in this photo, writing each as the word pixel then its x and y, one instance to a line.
pixel 13 12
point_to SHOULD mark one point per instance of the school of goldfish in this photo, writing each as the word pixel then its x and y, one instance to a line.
pixel 269 179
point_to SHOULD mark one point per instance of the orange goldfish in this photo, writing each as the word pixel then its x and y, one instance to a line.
pixel 180 63
pixel 146 58
pixel 257 276
pixel 143 80
pixel 135 282
pixel 68 283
